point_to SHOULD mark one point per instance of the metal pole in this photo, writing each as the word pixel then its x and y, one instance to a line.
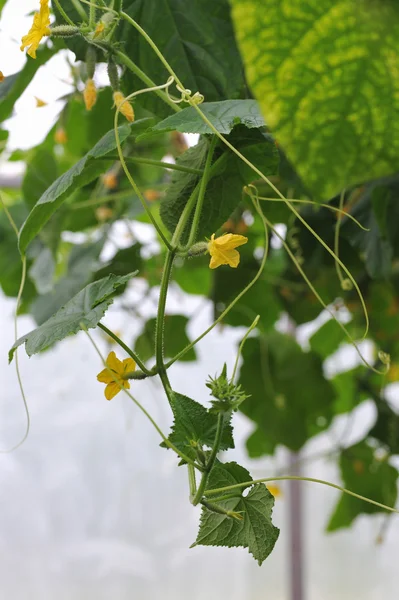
pixel 296 532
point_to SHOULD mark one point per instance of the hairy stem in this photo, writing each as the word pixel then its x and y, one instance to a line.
pixel 211 461
pixel 130 352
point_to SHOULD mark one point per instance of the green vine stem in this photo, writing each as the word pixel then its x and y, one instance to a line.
pixel 167 442
pixel 192 484
pixel 80 10
pixel 159 333
pixel 18 304
pixel 246 484
pixel 156 163
pixel 126 170
pixel 130 352
pixel 315 292
pixel 63 13
pixel 322 205
pixel 241 346
pixel 211 461
pixel 345 283
pixel 201 193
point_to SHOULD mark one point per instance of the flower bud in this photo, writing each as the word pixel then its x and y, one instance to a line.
pixel 124 106
pixel 90 94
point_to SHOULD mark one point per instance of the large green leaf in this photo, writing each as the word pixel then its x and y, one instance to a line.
pixel 325 75
pixel 87 169
pixel 175 338
pixel 227 177
pixel 223 115
pixel 291 400
pixel 14 85
pixel 41 172
pixel 85 309
pixel 194 426
pixel 255 531
pixel 196 38
pixel 368 476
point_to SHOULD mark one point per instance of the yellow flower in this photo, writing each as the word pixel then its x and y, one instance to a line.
pixel 39 29
pixel 2 78
pixel 222 250
pixel 60 136
pixel 151 195
pixel 99 29
pixel 126 108
pixel 274 490
pixel 39 102
pixel 90 94
pixel 118 368
pixel 110 181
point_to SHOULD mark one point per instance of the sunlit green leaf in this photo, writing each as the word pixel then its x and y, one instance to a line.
pixel 325 75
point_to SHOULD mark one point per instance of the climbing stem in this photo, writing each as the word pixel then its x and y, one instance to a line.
pixel 201 193
pixel 159 334
pixel 211 461
pixel 63 13
pixel 156 163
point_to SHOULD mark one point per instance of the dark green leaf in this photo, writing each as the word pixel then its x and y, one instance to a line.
pixel 227 177
pixel 175 338
pixel 42 271
pixel 195 37
pixel 327 339
pixel 256 531
pixel 194 424
pixel 368 476
pixel 85 309
pixel 386 429
pixel 291 400
pixel 87 169
pixel 223 115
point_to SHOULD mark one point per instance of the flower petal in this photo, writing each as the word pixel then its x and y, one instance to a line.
pixel 128 365
pixel 230 240
pixel 111 390
pixel 114 363
pixel 105 376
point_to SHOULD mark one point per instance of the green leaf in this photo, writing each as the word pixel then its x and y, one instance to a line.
pixel 2 5
pixel 87 169
pixel 386 428
pixel 256 531
pixel 325 75
pixel 194 424
pixel 223 115
pixel 377 210
pixel 291 400
pixel 82 262
pixel 327 339
pixel 175 338
pixel 227 177
pixel 14 85
pixel 42 271
pixel 368 476
pixel 86 308
pixel 41 171
pixel 196 38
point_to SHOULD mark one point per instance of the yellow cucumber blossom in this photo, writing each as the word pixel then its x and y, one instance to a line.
pixel 90 94
pixel 222 250
pixel 40 103
pixel 118 368
pixel 39 29
pixel 2 78
pixel 125 107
